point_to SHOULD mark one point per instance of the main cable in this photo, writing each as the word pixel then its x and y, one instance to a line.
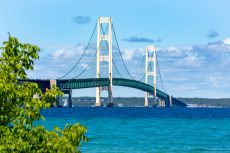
pixel 160 74
pixel 81 55
pixel 140 67
pixel 120 52
pixel 108 49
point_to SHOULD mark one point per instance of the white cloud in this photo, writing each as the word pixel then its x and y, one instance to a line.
pixel 227 41
pixel 173 48
pixel 192 60
pixel 69 54
pixel 38 67
pixel 64 54
pixel 216 47
pixel 80 49
pixel 58 52
pixel 127 55
pixel 84 66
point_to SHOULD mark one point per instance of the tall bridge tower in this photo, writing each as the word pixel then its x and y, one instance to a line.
pixel 153 73
pixel 104 58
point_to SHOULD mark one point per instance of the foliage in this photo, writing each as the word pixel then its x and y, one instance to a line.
pixel 19 110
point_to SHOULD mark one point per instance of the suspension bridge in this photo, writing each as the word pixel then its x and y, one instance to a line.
pixel 102 53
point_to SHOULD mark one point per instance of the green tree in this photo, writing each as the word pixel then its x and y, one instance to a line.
pixel 19 110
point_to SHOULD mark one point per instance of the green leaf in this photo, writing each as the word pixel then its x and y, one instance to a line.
pixel 19 110
pixel 43 118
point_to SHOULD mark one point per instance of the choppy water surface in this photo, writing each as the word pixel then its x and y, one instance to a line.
pixel 147 129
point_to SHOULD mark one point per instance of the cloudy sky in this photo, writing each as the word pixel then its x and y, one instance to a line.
pixel 192 39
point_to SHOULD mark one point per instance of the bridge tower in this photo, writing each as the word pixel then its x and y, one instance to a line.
pixel 104 58
pixel 153 73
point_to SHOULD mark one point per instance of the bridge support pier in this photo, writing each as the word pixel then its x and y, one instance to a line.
pixel 170 101
pixel 70 99
pixel 162 102
pixel 36 96
pixel 154 99
pixel 110 98
pixel 98 97
pixel 69 92
pixel 146 99
pixel 55 83
pixel 167 103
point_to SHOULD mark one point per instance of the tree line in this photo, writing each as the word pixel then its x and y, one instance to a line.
pixel 139 101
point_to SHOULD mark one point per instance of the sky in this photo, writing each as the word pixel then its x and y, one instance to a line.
pixel 192 38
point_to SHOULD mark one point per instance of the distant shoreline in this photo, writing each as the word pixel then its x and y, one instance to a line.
pixel 139 102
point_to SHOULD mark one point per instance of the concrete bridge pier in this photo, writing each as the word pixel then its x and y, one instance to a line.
pixel 110 98
pixel 146 99
pixel 36 96
pixel 170 101
pixel 98 97
pixel 167 103
pixel 162 103
pixel 69 92
pixel 154 100
pixel 55 82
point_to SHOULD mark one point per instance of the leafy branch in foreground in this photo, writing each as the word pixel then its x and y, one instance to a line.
pixel 19 110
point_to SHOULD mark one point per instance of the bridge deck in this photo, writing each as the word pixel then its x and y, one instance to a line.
pixel 97 82
pixel 100 82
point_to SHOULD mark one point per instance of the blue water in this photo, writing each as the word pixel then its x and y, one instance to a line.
pixel 139 129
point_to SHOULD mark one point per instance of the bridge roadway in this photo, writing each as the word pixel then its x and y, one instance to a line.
pixel 101 82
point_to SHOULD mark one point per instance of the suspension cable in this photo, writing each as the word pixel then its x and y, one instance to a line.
pixel 89 63
pixel 108 49
pixel 122 58
pixel 160 73
pixel 120 52
pixel 140 67
pixel 81 55
pixel 147 69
